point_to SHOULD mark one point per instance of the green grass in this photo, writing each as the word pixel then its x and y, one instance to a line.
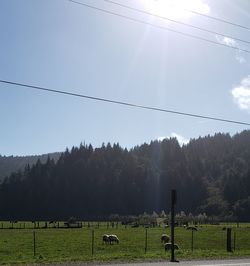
pixel 59 245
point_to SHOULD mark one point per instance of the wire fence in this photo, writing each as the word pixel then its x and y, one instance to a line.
pixel 22 242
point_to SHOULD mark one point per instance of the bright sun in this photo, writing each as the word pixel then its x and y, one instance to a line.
pixel 175 9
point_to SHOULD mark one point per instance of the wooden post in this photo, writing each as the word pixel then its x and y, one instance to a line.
pixel 192 243
pixel 229 240
pixel 146 240
pixel 92 248
pixel 34 243
pixel 234 241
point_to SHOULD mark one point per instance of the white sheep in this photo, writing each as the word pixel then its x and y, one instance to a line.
pixel 113 238
pixel 168 246
pixel 105 239
pixel 165 238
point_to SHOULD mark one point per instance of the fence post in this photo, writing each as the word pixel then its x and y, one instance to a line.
pixel 234 241
pixel 146 240
pixel 34 243
pixel 229 242
pixel 92 248
pixel 192 244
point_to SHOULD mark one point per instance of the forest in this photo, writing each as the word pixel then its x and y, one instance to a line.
pixel 211 175
pixel 9 164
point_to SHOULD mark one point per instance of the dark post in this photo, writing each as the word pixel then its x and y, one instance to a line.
pixel 92 249
pixel 146 240
pixel 234 241
pixel 192 245
pixel 173 202
pixel 229 242
pixel 34 243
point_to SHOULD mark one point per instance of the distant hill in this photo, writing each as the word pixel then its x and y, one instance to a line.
pixel 9 164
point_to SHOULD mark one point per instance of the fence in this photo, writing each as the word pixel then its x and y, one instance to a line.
pixel 23 243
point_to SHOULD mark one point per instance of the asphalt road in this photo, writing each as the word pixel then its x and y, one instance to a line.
pixel 245 262
pixel 238 262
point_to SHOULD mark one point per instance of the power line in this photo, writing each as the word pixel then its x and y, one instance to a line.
pixel 217 19
pixel 159 27
pixel 176 21
pixel 132 105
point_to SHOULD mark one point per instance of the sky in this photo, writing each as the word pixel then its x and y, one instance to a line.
pixel 62 45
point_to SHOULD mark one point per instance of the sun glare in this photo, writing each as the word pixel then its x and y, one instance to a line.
pixel 175 9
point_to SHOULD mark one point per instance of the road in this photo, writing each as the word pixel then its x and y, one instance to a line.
pixel 238 262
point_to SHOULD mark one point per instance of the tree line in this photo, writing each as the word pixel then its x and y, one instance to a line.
pixel 9 164
pixel 211 175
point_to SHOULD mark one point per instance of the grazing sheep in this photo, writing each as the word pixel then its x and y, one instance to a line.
pixel 165 238
pixel 168 246
pixel 105 239
pixel 113 238
pixel 193 228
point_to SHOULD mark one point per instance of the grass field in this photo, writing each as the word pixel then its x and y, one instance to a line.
pixel 57 245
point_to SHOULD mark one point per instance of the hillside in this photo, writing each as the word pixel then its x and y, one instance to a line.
pixel 211 175
pixel 9 164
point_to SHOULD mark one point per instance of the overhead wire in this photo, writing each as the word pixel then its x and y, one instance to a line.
pixel 176 21
pixel 218 19
pixel 159 27
pixel 128 104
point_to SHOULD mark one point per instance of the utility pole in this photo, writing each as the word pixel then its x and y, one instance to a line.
pixel 173 202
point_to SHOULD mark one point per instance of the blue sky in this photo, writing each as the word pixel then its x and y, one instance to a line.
pixel 64 46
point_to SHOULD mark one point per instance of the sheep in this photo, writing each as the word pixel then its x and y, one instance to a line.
pixel 168 246
pixel 193 228
pixel 165 238
pixel 113 238
pixel 105 239
pixel 110 239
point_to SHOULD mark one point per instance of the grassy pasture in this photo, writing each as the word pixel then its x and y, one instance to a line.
pixel 57 244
